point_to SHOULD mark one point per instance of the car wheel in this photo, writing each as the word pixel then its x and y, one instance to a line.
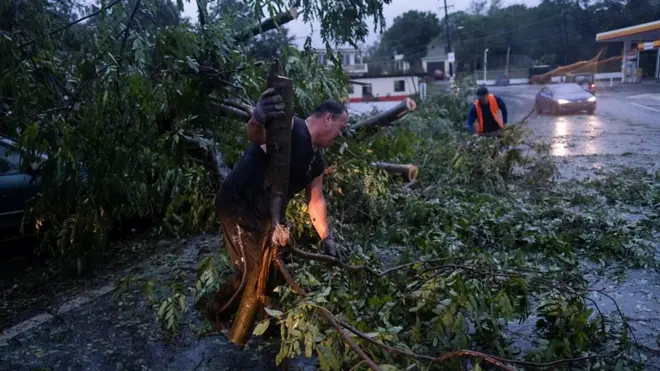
pixel 591 111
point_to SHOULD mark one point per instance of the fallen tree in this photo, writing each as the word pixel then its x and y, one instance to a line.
pixel 563 70
pixel 477 250
pixel 485 271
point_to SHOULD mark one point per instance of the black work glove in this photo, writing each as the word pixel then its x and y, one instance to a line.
pixel 269 106
pixel 330 248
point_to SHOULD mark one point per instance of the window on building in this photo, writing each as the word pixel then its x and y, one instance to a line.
pixel 366 90
pixel 350 89
pixel 347 59
pixel 322 59
pixel 399 86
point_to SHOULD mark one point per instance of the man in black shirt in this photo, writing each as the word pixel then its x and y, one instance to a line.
pixel 242 202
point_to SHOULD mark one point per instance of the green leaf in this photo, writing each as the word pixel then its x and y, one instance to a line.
pixel 388 367
pixel 309 345
pixel 274 312
pixel 261 328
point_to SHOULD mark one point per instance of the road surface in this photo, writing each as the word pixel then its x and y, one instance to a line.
pixel 624 131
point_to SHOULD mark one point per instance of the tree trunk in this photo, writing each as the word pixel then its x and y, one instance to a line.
pixel 278 147
pixel 247 311
pixel 405 107
pixel 408 171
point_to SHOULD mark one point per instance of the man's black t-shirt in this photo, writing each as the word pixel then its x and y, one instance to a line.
pixel 243 194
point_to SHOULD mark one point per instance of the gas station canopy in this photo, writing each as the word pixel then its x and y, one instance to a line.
pixel 637 38
pixel 641 32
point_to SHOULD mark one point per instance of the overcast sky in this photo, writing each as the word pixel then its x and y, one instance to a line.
pixel 398 7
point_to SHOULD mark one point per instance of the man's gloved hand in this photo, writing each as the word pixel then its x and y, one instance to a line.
pixel 331 248
pixel 269 106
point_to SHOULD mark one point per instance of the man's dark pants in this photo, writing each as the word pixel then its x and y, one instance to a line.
pixel 244 241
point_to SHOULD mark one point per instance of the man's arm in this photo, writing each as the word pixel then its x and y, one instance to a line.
pixel 256 132
pixel 316 206
pixel 472 115
pixel 502 106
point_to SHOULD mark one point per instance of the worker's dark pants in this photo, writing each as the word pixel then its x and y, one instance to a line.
pixel 245 244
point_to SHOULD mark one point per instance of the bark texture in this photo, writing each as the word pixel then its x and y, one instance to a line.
pixel 278 147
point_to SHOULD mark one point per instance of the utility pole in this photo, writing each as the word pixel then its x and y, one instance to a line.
pixel 508 52
pixel 449 49
pixel 564 36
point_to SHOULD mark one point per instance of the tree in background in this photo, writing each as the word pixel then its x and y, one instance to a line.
pixel 409 35
pixel 555 31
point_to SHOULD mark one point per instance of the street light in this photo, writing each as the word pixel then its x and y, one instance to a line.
pixel 485 63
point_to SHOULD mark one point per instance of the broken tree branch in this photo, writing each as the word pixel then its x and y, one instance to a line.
pixel 408 171
pixel 334 322
pixel 278 148
pixel 338 324
pixel 270 24
pixel 405 107
pixel 51 33
pixel 240 114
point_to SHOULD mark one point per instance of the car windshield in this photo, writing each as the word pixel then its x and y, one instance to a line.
pixel 568 89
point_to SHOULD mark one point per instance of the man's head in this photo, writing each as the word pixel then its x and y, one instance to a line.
pixel 482 94
pixel 327 122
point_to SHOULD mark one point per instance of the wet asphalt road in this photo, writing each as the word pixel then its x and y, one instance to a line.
pixel 627 120
pixel 623 132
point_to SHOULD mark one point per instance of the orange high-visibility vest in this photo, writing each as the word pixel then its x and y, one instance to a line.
pixel 494 109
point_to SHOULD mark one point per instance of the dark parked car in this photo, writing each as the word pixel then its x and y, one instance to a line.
pixel 18 183
pixel 563 98
pixel 586 80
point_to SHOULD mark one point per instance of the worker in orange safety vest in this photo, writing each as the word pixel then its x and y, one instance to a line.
pixel 489 112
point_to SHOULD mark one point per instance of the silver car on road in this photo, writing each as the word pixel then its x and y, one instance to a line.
pixel 565 98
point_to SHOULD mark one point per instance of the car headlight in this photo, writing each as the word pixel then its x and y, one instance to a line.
pixel 562 101
pixel 591 99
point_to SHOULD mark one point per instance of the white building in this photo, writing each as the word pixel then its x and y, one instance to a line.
pixel 436 57
pixel 400 65
pixel 352 62
pixel 383 88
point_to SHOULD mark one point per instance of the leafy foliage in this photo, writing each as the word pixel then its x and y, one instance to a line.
pixel 123 106
pixel 486 245
pixel 123 111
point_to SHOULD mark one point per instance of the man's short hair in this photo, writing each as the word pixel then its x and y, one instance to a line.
pixel 482 91
pixel 332 106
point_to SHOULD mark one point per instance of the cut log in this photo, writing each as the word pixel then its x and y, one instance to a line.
pixel 405 107
pixel 408 171
pixel 270 24
pixel 247 312
pixel 278 148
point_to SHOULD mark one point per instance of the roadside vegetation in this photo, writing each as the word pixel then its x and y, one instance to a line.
pixel 442 269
